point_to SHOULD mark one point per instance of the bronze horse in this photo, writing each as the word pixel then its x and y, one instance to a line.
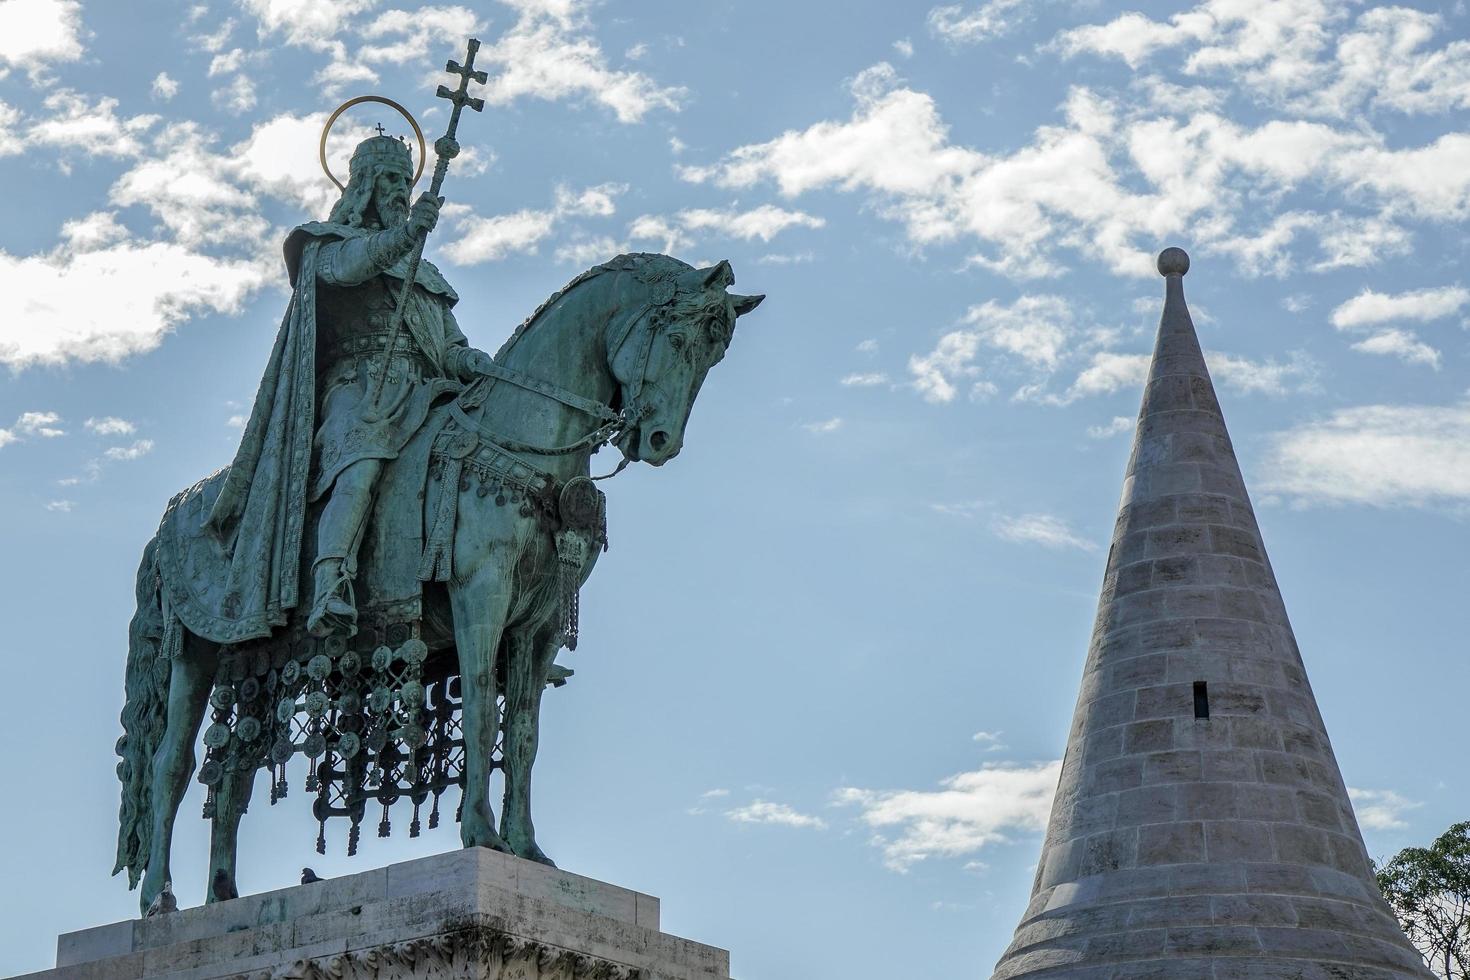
pixel 617 356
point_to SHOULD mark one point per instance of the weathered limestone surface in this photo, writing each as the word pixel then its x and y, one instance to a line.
pixel 473 914
pixel 1182 846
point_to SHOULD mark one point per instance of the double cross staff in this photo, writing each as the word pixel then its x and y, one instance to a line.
pixel 446 148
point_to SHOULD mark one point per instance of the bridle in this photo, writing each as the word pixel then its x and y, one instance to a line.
pixel 611 424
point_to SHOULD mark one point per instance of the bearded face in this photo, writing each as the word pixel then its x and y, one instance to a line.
pixel 390 196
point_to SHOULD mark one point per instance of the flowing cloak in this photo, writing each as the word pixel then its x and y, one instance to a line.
pixel 229 548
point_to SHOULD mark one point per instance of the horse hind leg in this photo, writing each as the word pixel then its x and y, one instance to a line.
pixel 530 655
pixel 191 676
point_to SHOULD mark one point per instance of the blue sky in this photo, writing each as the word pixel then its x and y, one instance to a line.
pixel 828 665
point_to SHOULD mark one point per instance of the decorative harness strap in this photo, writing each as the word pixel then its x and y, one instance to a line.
pixel 588 406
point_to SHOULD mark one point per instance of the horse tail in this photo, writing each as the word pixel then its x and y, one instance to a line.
pixel 144 715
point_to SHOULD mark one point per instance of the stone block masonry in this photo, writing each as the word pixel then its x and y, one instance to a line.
pixel 467 915
pixel 1201 828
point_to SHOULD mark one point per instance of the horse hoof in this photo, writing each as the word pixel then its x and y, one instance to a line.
pixel 539 856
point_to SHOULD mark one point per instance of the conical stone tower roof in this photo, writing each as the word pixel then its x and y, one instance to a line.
pixel 1201 828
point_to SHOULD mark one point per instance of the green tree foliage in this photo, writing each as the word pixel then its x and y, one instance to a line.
pixel 1428 889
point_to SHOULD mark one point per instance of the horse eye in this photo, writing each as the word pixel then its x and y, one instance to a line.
pixel 676 341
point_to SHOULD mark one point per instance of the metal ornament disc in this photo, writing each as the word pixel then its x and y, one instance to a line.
pixel 418 133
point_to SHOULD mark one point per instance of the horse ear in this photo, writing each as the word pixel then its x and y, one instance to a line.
pixel 744 304
pixel 719 276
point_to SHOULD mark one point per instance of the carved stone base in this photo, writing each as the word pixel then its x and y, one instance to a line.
pixel 466 915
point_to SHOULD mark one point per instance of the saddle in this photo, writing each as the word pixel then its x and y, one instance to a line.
pixel 377 715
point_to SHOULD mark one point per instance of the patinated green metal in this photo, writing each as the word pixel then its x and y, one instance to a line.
pixel 381 580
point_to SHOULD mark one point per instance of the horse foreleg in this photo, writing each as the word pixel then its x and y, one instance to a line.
pixel 191 675
pixel 530 656
pixel 480 604
pixel 230 803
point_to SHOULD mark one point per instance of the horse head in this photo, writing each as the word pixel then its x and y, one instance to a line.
pixel 660 354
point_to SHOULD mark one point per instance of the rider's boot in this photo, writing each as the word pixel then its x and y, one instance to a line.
pixel 332 610
pixel 338 534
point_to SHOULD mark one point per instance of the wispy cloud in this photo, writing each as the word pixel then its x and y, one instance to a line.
pixel 823 427
pixel 1382 455
pixel 137 450
pixel 968 812
pixel 1119 425
pixel 487 239
pixel 990 740
pixel 44 425
pixel 1381 809
pixel 1046 530
pixel 110 425
pixel 1423 305
pixel 779 814
pixel 60 506
pixel 865 379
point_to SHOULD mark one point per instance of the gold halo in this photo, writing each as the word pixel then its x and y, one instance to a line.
pixel 322 151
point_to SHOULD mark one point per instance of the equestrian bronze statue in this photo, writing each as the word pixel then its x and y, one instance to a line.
pixel 381 580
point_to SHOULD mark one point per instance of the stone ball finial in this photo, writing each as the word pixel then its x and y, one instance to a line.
pixel 1173 261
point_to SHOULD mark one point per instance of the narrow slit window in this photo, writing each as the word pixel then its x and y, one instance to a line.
pixel 1201 700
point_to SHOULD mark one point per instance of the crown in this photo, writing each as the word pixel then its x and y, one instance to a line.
pixel 380 150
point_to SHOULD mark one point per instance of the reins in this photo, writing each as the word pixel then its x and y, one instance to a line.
pixel 613 423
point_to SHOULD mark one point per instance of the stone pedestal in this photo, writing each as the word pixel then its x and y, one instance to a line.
pixel 467 915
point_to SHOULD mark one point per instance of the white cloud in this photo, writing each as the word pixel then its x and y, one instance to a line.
pixel 991 19
pixel 936 373
pixel 482 239
pixel 970 811
pixel 904 47
pixel 237 421
pixel 869 346
pixel 60 506
pixel 226 62
pixel 164 87
pixel 766 812
pixel 137 450
pixel 152 287
pixel 1422 305
pixel 408 37
pixel 35 34
pixel 237 97
pixel 1381 455
pixel 1301 55
pixel 677 232
pixel 1034 328
pixel 89 126
pixel 1109 372
pixel 1114 177
pixel 550 54
pixel 1403 344
pixel 823 427
pixel 1268 377
pixel 1046 530
pixel 1119 425
pixel 43 424
pixel 1381 809
pixel 590 251
pixel 110 425
pixel 311 23
pixel 865 379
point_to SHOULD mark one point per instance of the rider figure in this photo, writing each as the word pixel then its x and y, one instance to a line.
pixel 361 263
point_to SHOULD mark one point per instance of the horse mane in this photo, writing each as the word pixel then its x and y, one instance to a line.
pixel 652 266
